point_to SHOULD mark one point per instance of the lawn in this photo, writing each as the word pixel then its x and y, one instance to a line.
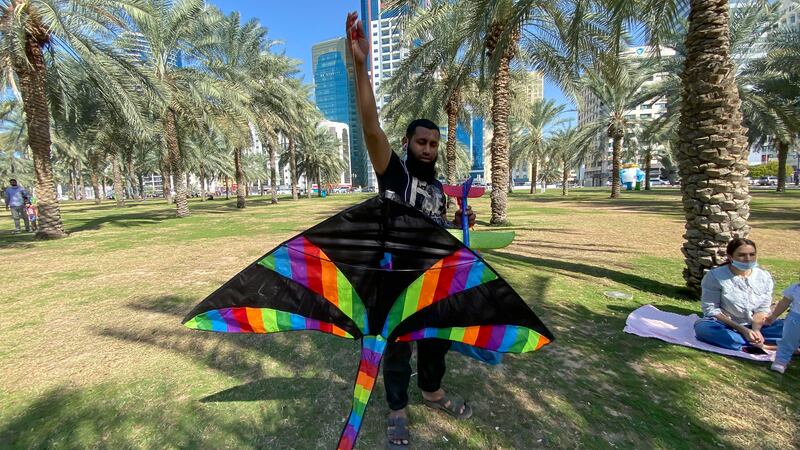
pixel 92 353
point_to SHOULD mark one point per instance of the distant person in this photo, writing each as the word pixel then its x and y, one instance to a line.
pixel 15 201
pixel 736 301
pixel 791 327
pixel 32 212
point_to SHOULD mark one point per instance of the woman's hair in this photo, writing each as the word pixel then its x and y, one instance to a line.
pixel 738 242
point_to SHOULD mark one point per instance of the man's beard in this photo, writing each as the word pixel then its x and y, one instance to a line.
pixel 425 171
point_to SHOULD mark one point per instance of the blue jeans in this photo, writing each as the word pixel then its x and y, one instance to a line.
pixel 714 332
pixel 791 338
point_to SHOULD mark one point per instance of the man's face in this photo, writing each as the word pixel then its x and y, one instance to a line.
pixel 424 145
pixel 13 182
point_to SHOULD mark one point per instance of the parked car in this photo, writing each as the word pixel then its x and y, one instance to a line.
pixel 658 182
pixel 768 181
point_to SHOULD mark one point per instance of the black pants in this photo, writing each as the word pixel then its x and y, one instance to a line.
pixel 397 369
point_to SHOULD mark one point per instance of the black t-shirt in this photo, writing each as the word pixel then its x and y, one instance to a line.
pixel 427 197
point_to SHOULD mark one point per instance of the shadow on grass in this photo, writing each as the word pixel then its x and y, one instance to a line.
pixel 16 240
pixel 276 388
pixel 105 417
pixel 634 281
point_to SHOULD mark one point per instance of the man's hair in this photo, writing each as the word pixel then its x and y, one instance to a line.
pixel 424 123
pixel 12 179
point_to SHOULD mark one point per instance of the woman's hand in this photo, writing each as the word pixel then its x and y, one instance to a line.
pixel 752 336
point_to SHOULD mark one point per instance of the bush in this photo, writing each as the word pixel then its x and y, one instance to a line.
pixel 769 169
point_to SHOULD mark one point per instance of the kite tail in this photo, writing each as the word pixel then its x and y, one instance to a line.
pixel 372 348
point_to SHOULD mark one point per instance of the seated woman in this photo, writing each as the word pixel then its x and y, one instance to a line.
pixel 736 301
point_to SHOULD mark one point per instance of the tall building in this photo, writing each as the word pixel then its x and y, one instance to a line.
pixel 137 48
pixel 341 132
pixel 597 169
pixel 533 90
pixel 387 47
pixel 334 92
pixel 790 14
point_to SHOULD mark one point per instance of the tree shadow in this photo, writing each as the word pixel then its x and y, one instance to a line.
pixel 124 220
pixel 276 388
pixel 16 240
pixel 634 281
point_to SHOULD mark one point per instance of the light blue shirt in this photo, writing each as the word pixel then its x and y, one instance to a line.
pixel 14 195
pixel 736 296
pixel 793 294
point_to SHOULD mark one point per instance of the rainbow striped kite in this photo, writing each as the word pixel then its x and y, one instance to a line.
pixel 380 272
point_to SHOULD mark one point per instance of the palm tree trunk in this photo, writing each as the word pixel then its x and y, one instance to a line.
pixel 712 151
pixel 273 174
pixel 94 169
pixel 783 156
pixel 131 178
pixel 119 188
pixel 166 184
pixel 308 187
pixel 72 182
pixel 79 170
pixel 452 108
pixel 499 146
pixel 648 156
pixel 239 173
pixel 176 163
pixel 103 184
pixel 96 188
pixel 534 174
pixel 140 179
pixel 293 167
pixel 31 75
pixel 202 182
pixel 564 182
pixel 227 188
pixel 616 136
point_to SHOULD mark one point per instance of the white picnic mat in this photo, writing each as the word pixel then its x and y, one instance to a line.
pixel 649 321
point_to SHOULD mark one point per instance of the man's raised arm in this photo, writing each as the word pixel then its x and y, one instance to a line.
pixel 377 143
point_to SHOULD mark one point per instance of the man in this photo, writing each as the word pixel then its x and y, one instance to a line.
pixel 15 196
pixel 412 181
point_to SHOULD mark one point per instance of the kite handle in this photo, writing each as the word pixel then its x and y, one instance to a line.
pixel 464 222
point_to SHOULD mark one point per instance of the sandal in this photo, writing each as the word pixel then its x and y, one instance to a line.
pixel 397 430
pixel 451 404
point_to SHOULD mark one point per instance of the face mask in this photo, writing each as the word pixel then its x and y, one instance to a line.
pixel 744 265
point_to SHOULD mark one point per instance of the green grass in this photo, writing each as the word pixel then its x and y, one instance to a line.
pixel 92 354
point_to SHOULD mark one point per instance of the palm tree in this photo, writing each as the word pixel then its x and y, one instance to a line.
pixel 437 76
pixel 72 30
pixel 532 122
pixel 184 29
pixel 771 104
pixel 321 161
pixel 553 37
pixel 567 147
pixel 712 149
pixel 615 83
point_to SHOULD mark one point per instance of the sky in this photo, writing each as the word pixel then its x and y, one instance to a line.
pixel 299 24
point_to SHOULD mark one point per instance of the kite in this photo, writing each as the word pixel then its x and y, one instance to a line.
pixel 380 271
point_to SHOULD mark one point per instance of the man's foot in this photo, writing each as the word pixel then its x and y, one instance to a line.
pixel 15 232
pixel 397 435
pixel 779 367
pixel 450 403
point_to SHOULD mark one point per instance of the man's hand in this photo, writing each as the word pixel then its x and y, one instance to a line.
pixel 470 217
pixel 356 39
